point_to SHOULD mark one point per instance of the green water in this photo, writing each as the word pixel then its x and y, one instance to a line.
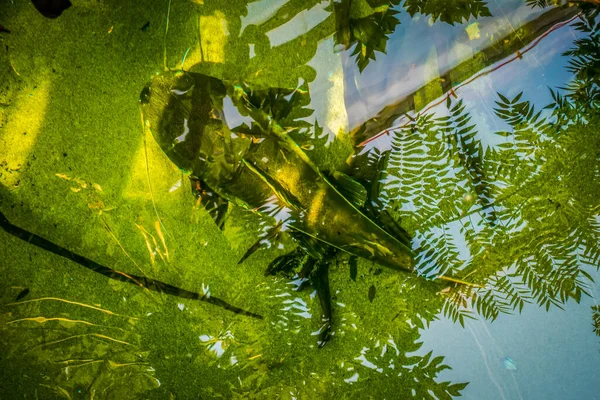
pixel 436 107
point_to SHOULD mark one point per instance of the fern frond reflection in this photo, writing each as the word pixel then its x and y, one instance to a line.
pixel 534 236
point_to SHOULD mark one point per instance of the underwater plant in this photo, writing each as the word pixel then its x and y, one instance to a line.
pixel 258 165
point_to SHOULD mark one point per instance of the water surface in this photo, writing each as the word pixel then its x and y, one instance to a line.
pixel 473 124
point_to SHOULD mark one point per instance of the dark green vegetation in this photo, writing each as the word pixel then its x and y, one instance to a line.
pixel 51 8
pixel 263 169
pixel 527 210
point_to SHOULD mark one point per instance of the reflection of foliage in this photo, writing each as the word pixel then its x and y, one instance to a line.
pixel 455 306
pixel 413 381
pixel 287 106
pixel 584 89
pixel 466 150
pixel 371 35
pixel 380 371
pixel 449 11
pixel 537 3
pixel 251 56
pixel 543 181
pixel 548 231
pixel 433 163
pixel 585 61
pixel 596 319
pixel 257 349
pixel 368 354
pixel 419 174
pixel 527 128
pixel 367 33
pixel 439 165
pixel 549 3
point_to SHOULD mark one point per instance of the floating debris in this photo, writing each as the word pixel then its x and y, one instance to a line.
pixel 22 294
pixel 372 292
pixel 509 364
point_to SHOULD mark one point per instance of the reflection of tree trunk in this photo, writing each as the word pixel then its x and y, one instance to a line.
pixel 503 48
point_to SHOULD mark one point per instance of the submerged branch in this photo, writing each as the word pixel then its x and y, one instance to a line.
pixel 145 282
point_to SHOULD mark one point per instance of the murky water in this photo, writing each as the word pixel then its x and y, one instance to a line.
pixel 412 188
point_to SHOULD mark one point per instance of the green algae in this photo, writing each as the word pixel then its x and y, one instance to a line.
pixel 73 87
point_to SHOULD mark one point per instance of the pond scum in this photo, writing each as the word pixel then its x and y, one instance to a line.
pixel 482 229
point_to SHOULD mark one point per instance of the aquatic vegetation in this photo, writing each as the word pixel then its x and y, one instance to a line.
pixel 506 198
pixel 93 353
pixel 256 164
